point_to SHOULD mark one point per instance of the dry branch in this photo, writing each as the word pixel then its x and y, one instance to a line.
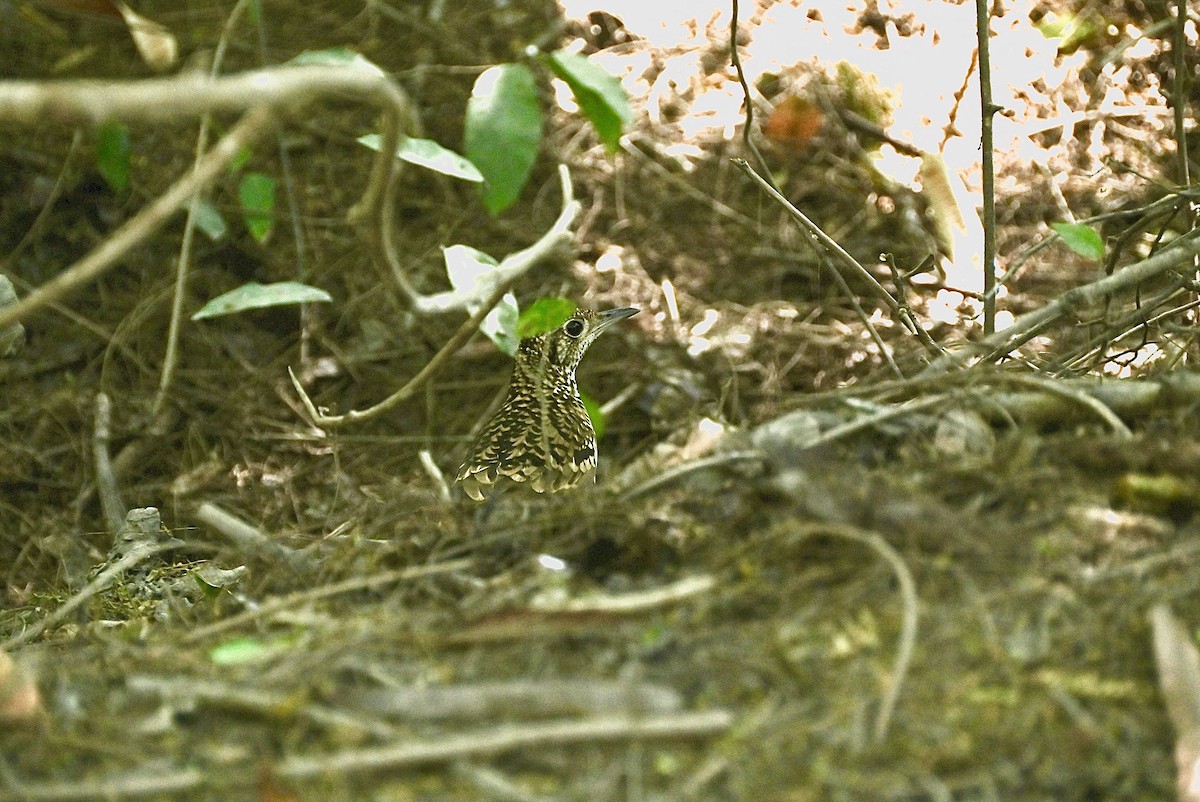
pixel 506 738
pixel 1029 325
pixel 251 540
pixel 399 755
pixel 292 600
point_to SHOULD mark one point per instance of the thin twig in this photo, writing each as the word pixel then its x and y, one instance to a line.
pixel 111 505
pixel 507 738
pixel 190 690
pixel 171 349
pixel 1030 324
pixel 557 237
pixel 987 110
pixel 497 282
pixel 439 360
pixel 293 600
pixel 763 178
pixel 908 627
pixel 831 245
pixel 630 603
pixel 400 755
pixel 434 473
pixel 536 697
pixel 35 228
pixel 249 539
pixel 748 127
pixel 130 785
pixel 1080 397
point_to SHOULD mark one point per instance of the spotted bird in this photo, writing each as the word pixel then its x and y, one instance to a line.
pixel 542 434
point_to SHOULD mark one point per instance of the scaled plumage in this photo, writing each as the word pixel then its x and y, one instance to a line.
pixel 541 435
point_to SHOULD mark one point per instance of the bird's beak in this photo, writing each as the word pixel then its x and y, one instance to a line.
pixel 612 316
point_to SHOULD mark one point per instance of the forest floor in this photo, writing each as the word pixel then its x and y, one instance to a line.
pixel 813 567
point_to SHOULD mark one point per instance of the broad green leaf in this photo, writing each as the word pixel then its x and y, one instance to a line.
pixel 429 154
pixel 257 192
pixel 1082 239
pixel 500 326
pixel 465 266
pixel 546 314
pixel 246 651
pixel 503 132
pixel 599 95
pixel 112 154
pixel 335 57
pixel 210 221
pixel 595 413
pixel 259 296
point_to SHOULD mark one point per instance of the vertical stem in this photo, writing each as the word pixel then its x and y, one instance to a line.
pixel 986 110
pixel 1179 91
pixel 171 352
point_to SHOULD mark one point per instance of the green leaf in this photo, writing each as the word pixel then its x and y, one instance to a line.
pixel 599 95
pixel 595 413
pixel 210 221
pixel 257 192
pixel 465 266
pixel 1082 239
pixel 246 651
pixel 429 154
pixel 335 57
pixel 500 326
pixel 546 314
pixel 503 132
pixel 112 155
pixel 258 296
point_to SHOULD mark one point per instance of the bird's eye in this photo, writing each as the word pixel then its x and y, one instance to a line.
pixel 573 327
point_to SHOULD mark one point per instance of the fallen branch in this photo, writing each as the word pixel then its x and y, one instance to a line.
pixel 293 600
pixel 507 738
pixel 251 540
pixel 908 596
pixel 399 755
pixel 534 698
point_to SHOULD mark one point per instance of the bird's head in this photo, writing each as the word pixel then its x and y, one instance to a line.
pixel 566 345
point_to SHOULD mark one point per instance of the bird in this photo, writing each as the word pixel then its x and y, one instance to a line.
pixel 541 435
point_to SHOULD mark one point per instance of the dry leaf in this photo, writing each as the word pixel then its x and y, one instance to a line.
pixel 154 41
pixel 793 123
pixel 947 216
